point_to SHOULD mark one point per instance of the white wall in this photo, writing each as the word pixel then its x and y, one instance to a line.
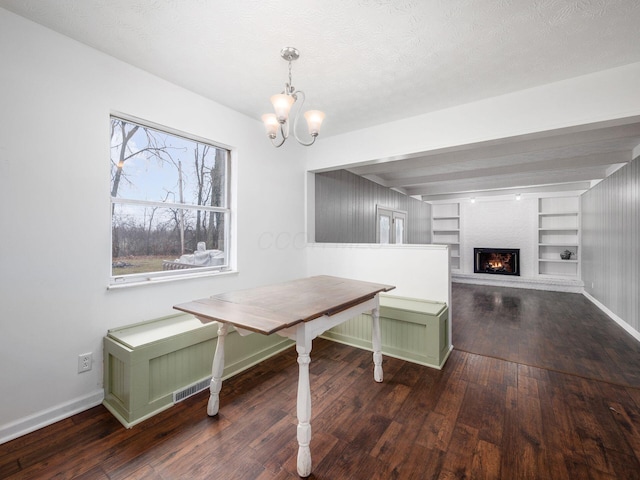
pixel 506 223
pixel 55 99
pixel 419 271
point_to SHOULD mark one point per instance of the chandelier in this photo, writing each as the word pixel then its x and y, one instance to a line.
pixel 282 104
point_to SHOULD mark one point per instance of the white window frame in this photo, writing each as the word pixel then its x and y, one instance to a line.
pixel 228 266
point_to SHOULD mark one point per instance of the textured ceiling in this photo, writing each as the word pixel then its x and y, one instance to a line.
pixel 363 62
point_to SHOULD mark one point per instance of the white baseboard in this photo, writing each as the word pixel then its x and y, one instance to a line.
pixel 36 421
pixel 630 330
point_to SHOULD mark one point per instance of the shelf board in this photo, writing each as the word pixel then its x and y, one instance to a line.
pixel 566 245
pixel 545 214
pixel 552 260
pixel 449 230
pixel 446 218
pixel 558 275
pixel 559 229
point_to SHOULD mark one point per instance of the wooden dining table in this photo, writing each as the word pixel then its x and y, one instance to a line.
pixel 300 310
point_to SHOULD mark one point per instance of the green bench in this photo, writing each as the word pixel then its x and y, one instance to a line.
pixel 151 365
pixel 412 329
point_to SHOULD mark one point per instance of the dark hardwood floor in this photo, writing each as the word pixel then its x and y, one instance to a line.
pixel 556 331
pixel 541 385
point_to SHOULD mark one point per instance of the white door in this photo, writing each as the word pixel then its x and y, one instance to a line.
pixel 399 220
pixel 390 225
pixel 384 219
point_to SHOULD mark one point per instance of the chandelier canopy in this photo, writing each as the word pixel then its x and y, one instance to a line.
pixel 282 105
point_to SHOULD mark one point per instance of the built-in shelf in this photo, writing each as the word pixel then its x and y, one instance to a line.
pixel 559 231
pixel 445 229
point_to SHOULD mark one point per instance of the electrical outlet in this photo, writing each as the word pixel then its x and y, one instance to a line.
pixel 85 361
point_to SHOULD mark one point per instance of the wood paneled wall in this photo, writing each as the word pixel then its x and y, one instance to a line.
pixel 346 209
pixel 611 243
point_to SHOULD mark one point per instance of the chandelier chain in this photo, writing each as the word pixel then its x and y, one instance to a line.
pixel 290 81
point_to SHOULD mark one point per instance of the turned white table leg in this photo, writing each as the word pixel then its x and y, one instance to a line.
pixel 303 347
pixel 376 340
pixel 216 372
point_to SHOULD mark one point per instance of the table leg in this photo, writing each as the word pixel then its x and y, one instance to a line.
pixel 376 340
pixel 303 347
pixel 216 372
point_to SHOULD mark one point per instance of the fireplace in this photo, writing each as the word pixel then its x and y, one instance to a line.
pixel 497 261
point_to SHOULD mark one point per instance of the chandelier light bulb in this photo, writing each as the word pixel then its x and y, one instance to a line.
pixel 314 120
pixel 271 124
pixel 282 105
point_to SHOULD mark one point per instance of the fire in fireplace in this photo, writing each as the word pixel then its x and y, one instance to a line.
pixel 499 261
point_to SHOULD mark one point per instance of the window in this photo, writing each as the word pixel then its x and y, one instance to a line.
pixel 169 204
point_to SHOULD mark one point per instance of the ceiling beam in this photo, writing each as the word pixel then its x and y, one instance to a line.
pixel 511 181
pixel 549 166
pixel 625 136
pixel 560 187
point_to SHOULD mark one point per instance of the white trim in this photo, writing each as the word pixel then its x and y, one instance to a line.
pixel 386 246
pixel 629 329
pixel 166 129
pixel 47 417
pixel 170 278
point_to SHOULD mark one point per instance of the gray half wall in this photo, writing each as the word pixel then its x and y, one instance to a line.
pixel 346 209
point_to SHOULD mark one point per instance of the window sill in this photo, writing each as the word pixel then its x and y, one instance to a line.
pixel 174 278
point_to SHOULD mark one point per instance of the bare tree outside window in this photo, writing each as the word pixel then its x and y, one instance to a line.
pixel 169 207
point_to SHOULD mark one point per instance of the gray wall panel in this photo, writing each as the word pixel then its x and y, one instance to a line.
pixel 346 209
pixel 611 243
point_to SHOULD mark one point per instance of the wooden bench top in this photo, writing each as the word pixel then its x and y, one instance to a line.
pixel 275 307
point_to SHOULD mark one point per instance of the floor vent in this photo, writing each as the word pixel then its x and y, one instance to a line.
pixel 192 389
